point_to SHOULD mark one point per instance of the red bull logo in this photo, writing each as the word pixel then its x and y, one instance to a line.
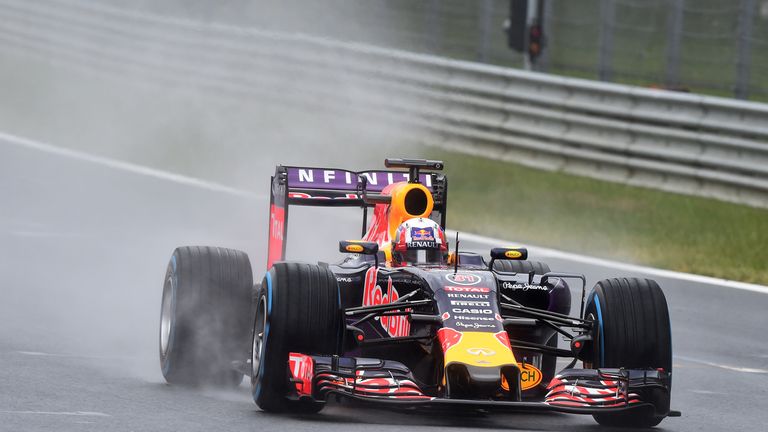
pixel 422 234
pixel 395 326
pixel 448 338
pixel 503 337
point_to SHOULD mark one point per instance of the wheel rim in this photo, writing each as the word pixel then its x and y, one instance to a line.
pixel 166 316
pixel 258 337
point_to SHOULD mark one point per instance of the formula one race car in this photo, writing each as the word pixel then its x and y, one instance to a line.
pixel 407 322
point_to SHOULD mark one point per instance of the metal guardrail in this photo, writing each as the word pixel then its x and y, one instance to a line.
pixel 692 144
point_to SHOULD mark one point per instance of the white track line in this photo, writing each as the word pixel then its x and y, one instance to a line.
pixel 61 413
pixel 78 356
pixel 8 139
pixel 552 253
pixel 722 366
pixel 44 234
pixel 191 181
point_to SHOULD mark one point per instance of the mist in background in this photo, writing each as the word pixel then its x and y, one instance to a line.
pixel 144 105
pixel 83 247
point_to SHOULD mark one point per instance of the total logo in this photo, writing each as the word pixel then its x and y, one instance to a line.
pixel 276 221
pixel 463 278
pixel 276 228
pixel 483 352
pixel 466 289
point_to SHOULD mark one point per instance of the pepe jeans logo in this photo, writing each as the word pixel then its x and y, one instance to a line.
pixel 523 287
pixel 474 325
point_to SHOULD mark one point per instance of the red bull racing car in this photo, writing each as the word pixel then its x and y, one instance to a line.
pixel 405 321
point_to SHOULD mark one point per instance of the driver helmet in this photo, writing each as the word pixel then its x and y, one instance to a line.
pixel 419 241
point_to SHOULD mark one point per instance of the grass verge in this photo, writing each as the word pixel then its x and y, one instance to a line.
pixel 608 220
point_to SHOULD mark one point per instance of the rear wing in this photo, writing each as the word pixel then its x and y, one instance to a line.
pixel 330 187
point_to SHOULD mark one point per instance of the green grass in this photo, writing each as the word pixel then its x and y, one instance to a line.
pixel 608 220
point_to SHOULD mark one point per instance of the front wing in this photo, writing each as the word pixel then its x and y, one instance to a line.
pixel 580 391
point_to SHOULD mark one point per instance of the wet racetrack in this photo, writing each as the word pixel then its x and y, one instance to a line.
pixel 83 249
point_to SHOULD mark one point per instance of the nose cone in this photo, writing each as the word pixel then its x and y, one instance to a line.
pixel 474 382
pixel 475 363
pixel 475 348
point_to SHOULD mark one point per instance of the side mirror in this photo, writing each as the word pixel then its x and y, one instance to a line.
pixel 509 253
pixel 358 246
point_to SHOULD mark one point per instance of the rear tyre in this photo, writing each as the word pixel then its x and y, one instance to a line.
pixel 204 318
pixel 522 266
pixel 297 310
pixel 633 331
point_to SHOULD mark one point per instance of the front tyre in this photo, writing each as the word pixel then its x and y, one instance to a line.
pixel 204 318
pixel 632 331
pixel 297 310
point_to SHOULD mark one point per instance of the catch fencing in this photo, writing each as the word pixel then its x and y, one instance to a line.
pixel 705 46
pixel 685 143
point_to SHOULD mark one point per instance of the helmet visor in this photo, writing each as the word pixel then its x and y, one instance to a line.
pixel 422 256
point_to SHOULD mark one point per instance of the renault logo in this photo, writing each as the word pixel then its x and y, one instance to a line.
pixel 481 351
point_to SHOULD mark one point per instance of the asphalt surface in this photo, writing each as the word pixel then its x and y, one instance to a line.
pixel 83 249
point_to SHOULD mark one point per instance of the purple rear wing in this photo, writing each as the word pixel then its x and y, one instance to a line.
pixel 325 183
pixel 330 187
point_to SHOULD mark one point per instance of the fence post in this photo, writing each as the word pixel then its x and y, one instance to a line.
pixel 533 12
pixel 607 18
pixel 432 26
pixel 744 60
pixel 674 33
pixel 546 18
pixel 485 18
